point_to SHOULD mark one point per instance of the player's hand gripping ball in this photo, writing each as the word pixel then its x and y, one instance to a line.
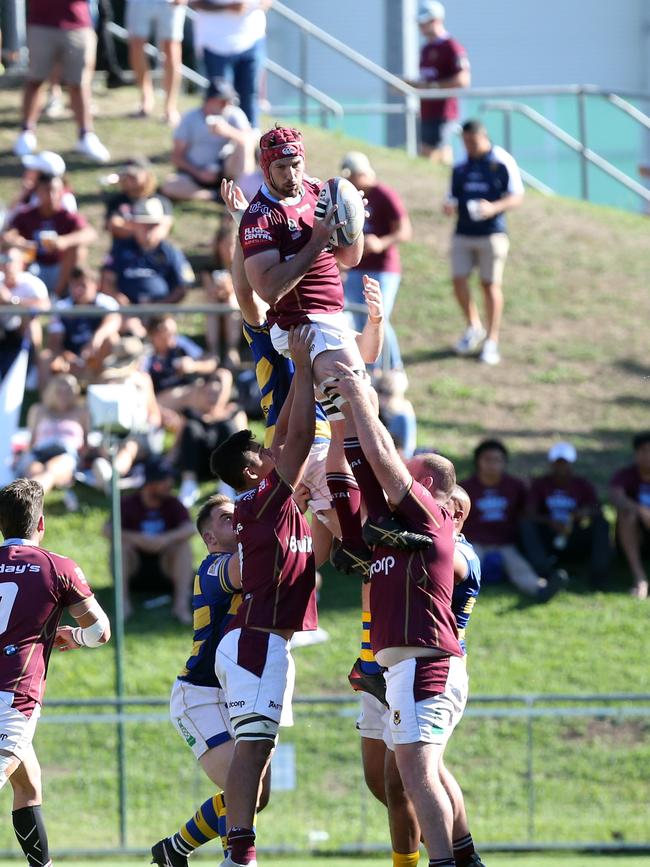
pixel 349 207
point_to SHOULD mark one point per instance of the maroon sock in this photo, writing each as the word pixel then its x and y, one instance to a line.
pixel 371 490
pixel 346 498
pixel 463 850
pixel 241 842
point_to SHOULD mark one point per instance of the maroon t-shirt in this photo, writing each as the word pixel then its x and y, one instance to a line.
pixel 63 14
pixel 559 501
pixel 30 223
pixel 278 571
pixel 439 60
pixel 384 208
pixel 496 511
pixel 138 517
pixel 271 225
pixel 35 588
pixel 629 478
pixel 410 591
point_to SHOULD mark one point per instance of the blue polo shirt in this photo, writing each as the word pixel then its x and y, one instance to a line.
pixel 147 276
pixel 492 177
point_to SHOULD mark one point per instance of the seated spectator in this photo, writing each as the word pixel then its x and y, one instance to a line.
pixel 174 366
pixel 156 532
pixel 19 287
pixel 80 344
pixel 249 182
pixel 210 143
pixel 396 411
pixel 564 519
pixel 223 334
pixel 143 269
pixel 498 506
pixel 629 492
pixel 58 427
pixel 52 234
pixel 136 181
pixel 46 163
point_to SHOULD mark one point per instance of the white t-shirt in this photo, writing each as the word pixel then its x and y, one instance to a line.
pixel 228 32
pixel 205 149
pixel 28 288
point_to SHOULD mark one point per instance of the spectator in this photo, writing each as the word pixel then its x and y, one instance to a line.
pixel 443 63
pixel 564 519
pixel 211 142
pixel 18 286
pixel 483 187
pixel 232 36
pixel 53 235
pixel 80 344
pixel 168 19
pixel 137 181
pixel 46 163
pixel 396 411
pixel 223 333
pixel 60 36
pixel 629 492
pixel 386 226
pixel 498 506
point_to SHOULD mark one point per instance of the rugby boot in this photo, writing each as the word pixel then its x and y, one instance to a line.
pixel 373 684
pixel 388 531
pixel 228 862
pixel 350 560
pixel 475 861
pixel 164 854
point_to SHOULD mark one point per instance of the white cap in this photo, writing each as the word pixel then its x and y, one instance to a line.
pixel 46 162
pixel 356 163
pixel 430 10
pixel 562 452
pixel 149 210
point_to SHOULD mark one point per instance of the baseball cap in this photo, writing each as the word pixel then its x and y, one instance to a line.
pixel 220 88
pixel 356 163
pixel 562 451
pixel 47 163
pixel 148 211
pixel 429 10
pixel 134 165
pixel 157 471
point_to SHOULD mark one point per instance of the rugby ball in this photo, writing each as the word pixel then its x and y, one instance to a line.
pixel 349 206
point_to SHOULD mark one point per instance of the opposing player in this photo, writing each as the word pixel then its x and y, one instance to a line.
pixel 36 587
pixel 197 705
pixel 253 660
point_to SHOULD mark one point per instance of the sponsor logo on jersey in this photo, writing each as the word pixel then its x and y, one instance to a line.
pixel 262 485
pixel 239 528
pixel 305 207
pixel 274 705
pixel 384 565
pixel 80 575
pixel 3 736
pixel 259 208
pixel 397 719
pixel 303 546
pixel 291 223
pixel 10 650
pixel 256 233
pixel 239 703
pixel 19 568
pixel 213 568
pixel 189 738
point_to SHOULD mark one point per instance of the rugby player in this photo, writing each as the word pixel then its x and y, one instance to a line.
pixel 36 587
pixel 197 705
pixel 253 660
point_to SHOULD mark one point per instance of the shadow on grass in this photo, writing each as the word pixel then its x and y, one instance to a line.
pixel 419 356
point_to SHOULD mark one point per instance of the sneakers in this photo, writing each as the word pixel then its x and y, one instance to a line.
pixel 228 862
pixel 189 492
pixel 164 854
pixel 490 353
pixel 388 531
pixel 556 580
pixel 470 340
pixel 351 560
pixel 373 684
pixel 25 143
pixel 90 146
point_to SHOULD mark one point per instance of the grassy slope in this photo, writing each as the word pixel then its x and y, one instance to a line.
pixel 576 365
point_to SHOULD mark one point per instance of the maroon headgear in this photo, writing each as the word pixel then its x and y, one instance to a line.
pixel 276 144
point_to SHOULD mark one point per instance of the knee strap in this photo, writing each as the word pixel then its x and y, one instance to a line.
pixel 255 727
pixel 329 388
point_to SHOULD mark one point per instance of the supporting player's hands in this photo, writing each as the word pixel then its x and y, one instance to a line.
pixel 302 496
pixel 348 383
pixel 233 197
pixel 63 639
pixel 373 298
pixel 301 338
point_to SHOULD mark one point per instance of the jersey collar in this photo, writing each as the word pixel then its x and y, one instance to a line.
pixel 17 541
pixel 292 201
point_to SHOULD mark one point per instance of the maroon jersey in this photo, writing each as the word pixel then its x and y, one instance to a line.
pixel 496 510
pixel 63 14
pixel 559 501
pixel 139 518
pixel 271 225
pixel 30 223
pixel 384 208
pixel 410 591
pixel 439 60
pixel 35 587
pixel 629 478
pixel 278 571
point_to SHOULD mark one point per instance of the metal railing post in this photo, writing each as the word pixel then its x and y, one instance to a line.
pixel 530 773
pixel 304 63
pixel 507 131
pixel 582 125
pixel 411 114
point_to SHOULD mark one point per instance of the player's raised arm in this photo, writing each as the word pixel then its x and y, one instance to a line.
pixel 302 420
pixel 93 629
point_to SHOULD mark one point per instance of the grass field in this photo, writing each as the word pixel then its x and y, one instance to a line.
pixel 576 365
pixel 497 860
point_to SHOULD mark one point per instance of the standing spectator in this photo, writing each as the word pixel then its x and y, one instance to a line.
pixel 232 36
pixel 168 18
pixel 629 492
pixel 60 36
pixel 443 63
pixel 18 286
pixel 564 519
pixel 386 226
pixel 499 502
pixel 52 233
pixel 483 187
pixel 136 181
pixel 211 142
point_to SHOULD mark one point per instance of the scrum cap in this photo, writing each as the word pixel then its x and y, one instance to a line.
pixel 278 143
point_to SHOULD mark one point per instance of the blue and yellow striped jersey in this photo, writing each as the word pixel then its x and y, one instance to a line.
pixel 274 373
pixel 214 603
pixel 466 593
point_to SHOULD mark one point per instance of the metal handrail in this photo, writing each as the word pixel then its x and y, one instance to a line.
pixel 327 103
pixel 618 102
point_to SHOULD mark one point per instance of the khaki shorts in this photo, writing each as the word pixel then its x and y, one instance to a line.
pixel 487 252
pixel 73 49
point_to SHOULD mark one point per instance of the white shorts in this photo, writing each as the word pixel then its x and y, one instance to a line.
pixel 331 331
pixel 314 476
pixel 258 674
pixel 16 732
pixel 418 713
pixel 373 717
pixel 199 715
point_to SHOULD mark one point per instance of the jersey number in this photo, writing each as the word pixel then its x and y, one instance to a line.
pixel 8 593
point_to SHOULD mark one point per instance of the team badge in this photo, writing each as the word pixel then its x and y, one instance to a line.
pixel 397 719
pixel 291 223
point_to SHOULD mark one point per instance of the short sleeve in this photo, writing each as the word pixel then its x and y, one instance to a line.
pixel 183 130
pixel 459 59
pixel 394 206
pixel 215 582
pixel 73 586
pixel 182 271
pixel 420 510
